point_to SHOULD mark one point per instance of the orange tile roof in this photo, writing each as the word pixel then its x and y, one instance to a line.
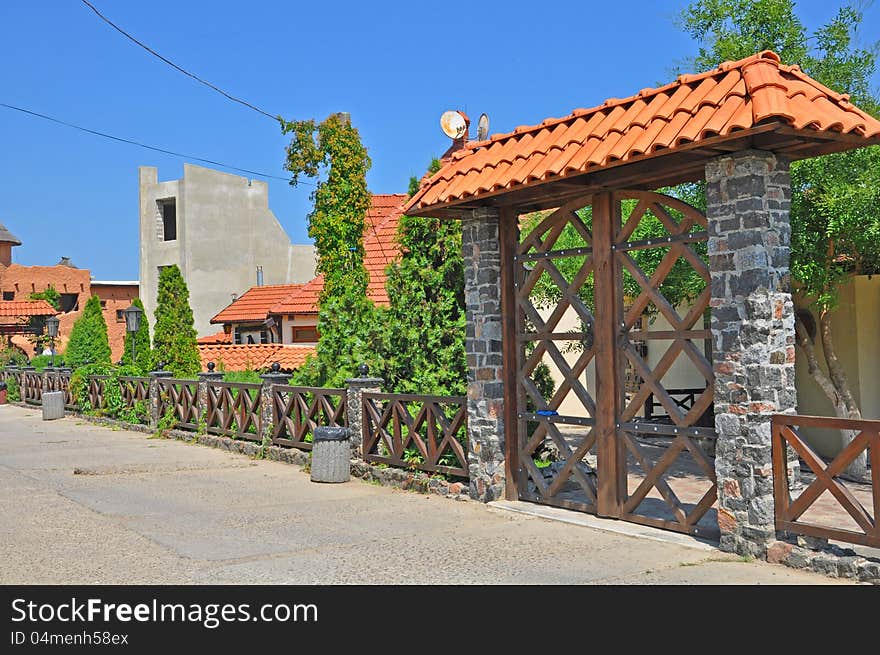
pixel 254 304
pixel 242 357
pixel 218 338
pixel 25 308
pixel 735 96
pixel 380 249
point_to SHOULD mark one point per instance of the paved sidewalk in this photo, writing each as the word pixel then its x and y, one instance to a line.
pixel 84 504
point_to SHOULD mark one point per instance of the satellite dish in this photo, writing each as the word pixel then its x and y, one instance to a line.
pixel 483 128
pixel 453 124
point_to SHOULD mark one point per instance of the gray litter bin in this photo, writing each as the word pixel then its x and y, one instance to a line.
pixel 53 405
pixel 331 455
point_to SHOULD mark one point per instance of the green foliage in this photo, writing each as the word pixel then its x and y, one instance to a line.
pixel 174 337
pixel 835 204
pixel 341 202
pixel 50 295
pixel 249 377
pixel 88 342
pixel 42 361
pixel 352 332
pixel 141 342
pixel 12 356
pixel 137 414
pixel 424 340
pixel 13 392
pixel 168 421
pixel 79 384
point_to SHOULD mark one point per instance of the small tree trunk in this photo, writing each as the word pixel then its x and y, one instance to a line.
pixel 835 386
pixel 858 469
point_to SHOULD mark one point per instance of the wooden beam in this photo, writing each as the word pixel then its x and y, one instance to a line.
pixel 508 233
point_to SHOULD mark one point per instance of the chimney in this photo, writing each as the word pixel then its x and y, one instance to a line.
pixel 259 276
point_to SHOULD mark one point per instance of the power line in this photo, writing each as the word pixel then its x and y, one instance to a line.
pixel 148 147
pixel 175 66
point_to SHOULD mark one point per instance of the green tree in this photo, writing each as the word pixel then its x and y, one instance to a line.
pixel 88 342
pixel 174 337
pixel 425 325
pixel 835 204
pixel 341 201
pixel 50 295
pixel 347 321
pixel 141 341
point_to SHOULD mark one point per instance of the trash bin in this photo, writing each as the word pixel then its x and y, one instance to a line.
pixel 53 405
pixel 331 455
pixel 3 393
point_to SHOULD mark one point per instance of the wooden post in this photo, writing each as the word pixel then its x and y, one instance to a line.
pixel 608 293
pixel 509 239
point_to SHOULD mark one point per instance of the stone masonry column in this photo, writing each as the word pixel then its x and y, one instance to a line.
pixel 206 378
pixel 485 392
pixel 153 392
pixel 270 379
pixel 354 393
pixel 748 198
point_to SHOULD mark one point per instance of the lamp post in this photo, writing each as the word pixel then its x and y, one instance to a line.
pixel 52 329
pixel 132 324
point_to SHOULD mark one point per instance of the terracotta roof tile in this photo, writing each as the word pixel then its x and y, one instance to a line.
pixel 242 357
pixel 214 339
pixel 735 96
pixel 254 304
pixel 25 308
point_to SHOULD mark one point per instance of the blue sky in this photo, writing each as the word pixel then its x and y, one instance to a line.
pixel 394 66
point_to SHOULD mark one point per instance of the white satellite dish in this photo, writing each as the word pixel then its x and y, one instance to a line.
pixel 483 128
pixel 454 124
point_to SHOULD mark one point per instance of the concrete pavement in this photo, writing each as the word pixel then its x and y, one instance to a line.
pixel 85 504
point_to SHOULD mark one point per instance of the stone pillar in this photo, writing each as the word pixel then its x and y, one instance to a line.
pixel 154 395
pixel 481 248
pixel 202 391
pixel 274 376
pixel 354 393
pixel 748 200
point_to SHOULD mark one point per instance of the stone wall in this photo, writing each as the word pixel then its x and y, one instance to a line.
pixel 748 200
pixel 485 391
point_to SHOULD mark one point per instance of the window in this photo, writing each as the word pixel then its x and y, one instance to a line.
pixel 69 302
pixel 305 334
pixel 103 304
pixel 168 212
pixel 9 295
pixel 236 337
pixel 120 316
pixel 264 337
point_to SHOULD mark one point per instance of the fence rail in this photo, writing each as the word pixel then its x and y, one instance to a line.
pixel 790 510
pixel 428 433
pixel 181 398
pixel 98 391
pixel 32 387
pixel 297 411
pixel 233 409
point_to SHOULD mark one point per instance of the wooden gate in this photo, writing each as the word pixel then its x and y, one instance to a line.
pixel 612 296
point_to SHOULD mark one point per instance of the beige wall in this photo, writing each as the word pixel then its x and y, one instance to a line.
pixel 288 322
pixel 225 229
pixel 855 326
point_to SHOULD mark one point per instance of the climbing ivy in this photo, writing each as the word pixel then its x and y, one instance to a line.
pixel 333 149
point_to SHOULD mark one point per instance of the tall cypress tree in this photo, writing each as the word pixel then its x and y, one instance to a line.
pixel 141 341
pixel 426 320
pixel 174 335
pixel 88 342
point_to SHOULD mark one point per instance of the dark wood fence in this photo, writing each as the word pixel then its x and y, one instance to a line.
pixel 180 397
pixel 428 433
pixel 97 391
pixel 790 510
pixel 32 387
pixel 134 390
pixel 233 409
pixel 297 411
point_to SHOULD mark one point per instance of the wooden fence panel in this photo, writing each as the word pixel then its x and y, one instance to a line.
pixel 297 411
pixel 233 410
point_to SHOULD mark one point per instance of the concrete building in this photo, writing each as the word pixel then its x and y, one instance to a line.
pixel 218 229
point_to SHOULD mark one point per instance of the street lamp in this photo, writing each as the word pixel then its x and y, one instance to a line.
pixel 132 324
pixel 52 329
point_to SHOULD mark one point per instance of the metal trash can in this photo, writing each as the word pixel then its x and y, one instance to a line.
pixel 53 405
pixel 331 455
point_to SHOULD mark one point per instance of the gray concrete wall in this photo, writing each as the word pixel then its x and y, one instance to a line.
pixel 225 229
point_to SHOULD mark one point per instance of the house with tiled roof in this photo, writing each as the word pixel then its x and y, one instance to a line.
pixel 75 286
pixel 288 314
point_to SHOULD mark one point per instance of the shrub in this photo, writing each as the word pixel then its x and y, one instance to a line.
pixel 249 376
pixel 88 339
pixel 174 337
pixel 10 355
pixel 12 391
pixel 42 361
pixel 141 342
